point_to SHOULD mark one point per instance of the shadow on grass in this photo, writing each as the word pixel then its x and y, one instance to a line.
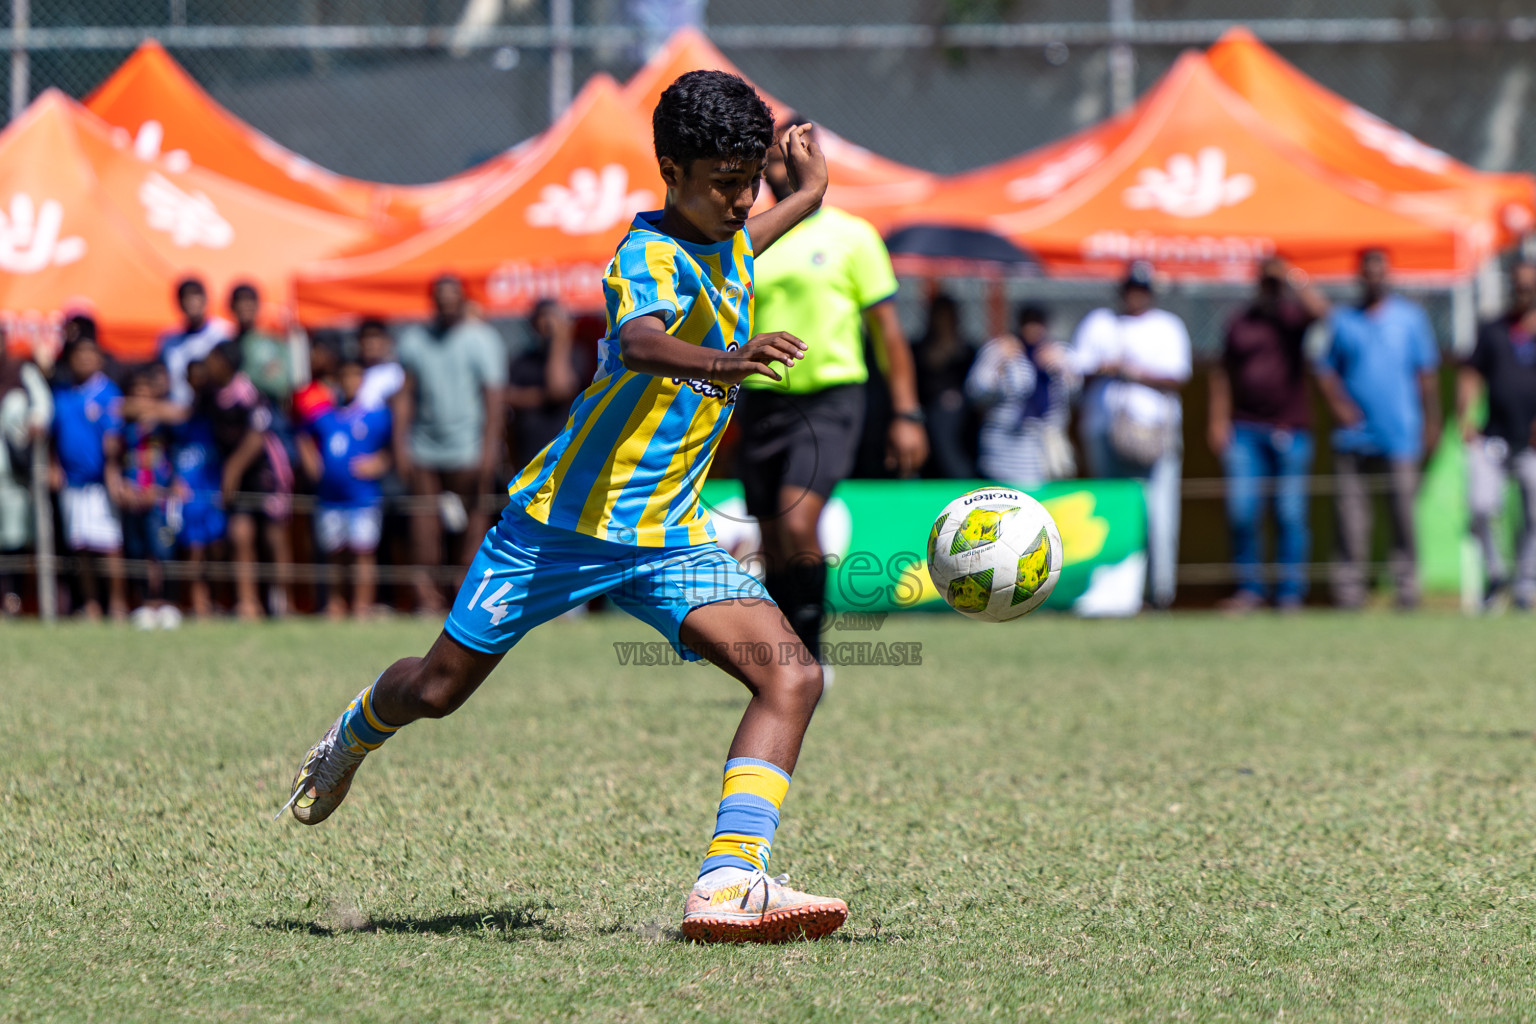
pixel 653 932
pixel 510 925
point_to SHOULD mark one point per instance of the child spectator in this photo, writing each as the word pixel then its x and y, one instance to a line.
pixel 26 414
pixel 87 441
pixel 256 464
pixel 192 340
pixel 197 506
pixel 319 395
pixel 346 449
pixel 383 376
pixel 1023 386
pixel 147 534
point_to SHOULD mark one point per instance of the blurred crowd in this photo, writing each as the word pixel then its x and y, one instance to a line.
pixel 397 446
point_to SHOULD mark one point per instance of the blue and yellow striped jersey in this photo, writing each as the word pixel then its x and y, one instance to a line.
pixel 636 448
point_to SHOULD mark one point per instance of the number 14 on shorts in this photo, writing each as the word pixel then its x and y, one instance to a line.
pixel 493 603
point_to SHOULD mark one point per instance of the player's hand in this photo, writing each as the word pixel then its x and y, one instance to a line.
pixel 906 447
pixel 1051 357
pixel 803 161
pixel 758 356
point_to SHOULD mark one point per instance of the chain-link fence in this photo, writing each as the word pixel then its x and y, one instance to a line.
pixel 416 90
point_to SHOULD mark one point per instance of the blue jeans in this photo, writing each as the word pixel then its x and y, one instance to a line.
pixel 1286 456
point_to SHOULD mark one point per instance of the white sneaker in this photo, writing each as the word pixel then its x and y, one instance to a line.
pixel 169 617
pixel 144 617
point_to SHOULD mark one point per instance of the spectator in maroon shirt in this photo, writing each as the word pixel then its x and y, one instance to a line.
pixel 1260 427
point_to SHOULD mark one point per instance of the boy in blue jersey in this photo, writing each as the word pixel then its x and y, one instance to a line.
pixel 147 477
pixel 197 506
pixel 611 506
pixel 346 451
pixel 87 470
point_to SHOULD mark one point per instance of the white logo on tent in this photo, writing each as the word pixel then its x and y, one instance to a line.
pixel 594 201
pixel 29 237
pixel 1054 175
pixel 190 218
pixel 1393 143
pixel 146 146
pixel 1190 186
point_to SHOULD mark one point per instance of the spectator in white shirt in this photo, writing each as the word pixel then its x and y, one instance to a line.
pixel 191 342
pixel 383 376
pixel 1136 360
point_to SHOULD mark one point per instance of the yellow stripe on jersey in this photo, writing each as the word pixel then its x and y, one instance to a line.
pixel 630 461
pixel 625 458
pixel 543 498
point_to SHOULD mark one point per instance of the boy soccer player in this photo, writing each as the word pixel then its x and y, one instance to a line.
pixel 611 506
pixel 346 451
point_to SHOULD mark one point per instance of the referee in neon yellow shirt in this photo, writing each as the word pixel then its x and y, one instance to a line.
pixel 824 281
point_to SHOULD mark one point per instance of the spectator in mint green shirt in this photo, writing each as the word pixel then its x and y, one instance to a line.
pixel 264 357
pixel 448 437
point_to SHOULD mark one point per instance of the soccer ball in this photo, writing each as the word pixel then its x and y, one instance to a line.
pixel 994 554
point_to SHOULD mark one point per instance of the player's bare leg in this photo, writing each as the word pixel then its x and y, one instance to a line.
pixel 735 900
pixel 411 688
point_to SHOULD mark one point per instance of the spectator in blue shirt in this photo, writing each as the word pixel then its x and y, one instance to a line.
pixel 87 446
pixel 147 533
pixel 198 507
pixel 1379 378
pixel 346 450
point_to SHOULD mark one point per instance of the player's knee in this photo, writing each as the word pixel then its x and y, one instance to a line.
pixel 798 684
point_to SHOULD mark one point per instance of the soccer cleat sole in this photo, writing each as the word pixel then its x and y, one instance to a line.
pixel 807 923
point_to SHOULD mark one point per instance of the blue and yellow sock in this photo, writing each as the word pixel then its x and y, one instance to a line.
pixel 749 813
pixel 362 729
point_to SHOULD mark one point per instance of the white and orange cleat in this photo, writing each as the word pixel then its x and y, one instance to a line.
pixel 325 776
pixel 759 908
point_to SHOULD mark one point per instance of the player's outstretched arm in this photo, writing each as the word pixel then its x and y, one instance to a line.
pixel 808 174
pixel 646 347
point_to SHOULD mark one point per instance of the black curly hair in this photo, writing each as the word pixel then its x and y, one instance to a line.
pixel 711 114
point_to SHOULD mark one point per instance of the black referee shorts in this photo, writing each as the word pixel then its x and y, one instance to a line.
pixel 801 441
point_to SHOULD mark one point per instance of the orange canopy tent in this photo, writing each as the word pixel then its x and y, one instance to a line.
pixel 88 224
pixel 547 229
pixel 170 115
pixel 859 181
pixel 1351 141
pixel 1193 179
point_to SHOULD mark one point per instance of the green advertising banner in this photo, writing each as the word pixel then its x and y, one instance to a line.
pixel 875 532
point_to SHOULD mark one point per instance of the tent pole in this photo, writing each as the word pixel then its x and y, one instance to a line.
pixel 560 70
pixel 42 515
pixel 21 58
pixel 1122 59
pixel 1463 317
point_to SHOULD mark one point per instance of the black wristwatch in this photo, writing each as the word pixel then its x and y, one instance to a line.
pixel 913 416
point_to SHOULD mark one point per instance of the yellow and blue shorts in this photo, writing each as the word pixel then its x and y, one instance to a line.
pixel 527 573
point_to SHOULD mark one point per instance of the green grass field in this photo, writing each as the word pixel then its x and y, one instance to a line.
pixel 1177 818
